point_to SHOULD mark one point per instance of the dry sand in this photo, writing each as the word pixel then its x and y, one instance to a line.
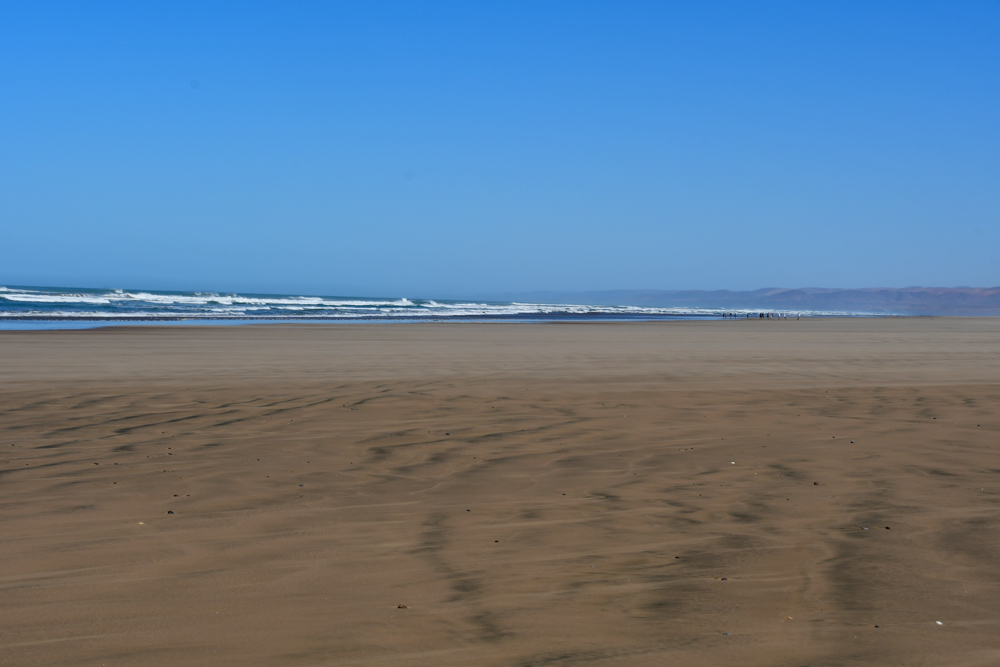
pixel 535 494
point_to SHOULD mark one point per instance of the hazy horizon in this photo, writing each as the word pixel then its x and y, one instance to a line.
pixel 494 296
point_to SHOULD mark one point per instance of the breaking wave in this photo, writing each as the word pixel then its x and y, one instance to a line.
pixel 39 303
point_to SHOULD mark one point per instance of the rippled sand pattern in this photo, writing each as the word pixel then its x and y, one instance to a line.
pixel 711 493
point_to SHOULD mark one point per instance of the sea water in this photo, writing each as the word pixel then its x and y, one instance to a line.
pixel 56 307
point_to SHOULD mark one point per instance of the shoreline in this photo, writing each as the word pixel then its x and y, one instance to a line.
pixel 55 323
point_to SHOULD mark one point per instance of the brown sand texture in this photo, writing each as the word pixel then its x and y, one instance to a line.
pixel 787 493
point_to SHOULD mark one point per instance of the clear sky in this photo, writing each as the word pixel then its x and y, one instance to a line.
pixel 473 148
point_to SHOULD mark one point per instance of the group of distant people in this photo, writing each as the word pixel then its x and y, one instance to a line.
pixel 762 316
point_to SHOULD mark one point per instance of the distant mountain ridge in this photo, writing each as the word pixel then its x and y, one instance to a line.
pixel 942 301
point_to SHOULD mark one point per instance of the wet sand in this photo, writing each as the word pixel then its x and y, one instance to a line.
pixel 816 492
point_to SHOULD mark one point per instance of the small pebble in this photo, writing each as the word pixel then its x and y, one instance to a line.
pixel 815 483
pixel 170 511
pixel 938 622
pixel 401 606
pixel 725 633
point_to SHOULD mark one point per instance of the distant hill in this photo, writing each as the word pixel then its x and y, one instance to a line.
pixel 981 301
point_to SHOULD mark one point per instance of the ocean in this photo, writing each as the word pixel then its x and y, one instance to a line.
pixel 59 307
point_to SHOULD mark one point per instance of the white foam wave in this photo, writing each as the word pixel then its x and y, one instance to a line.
pixel 198 299
pixel 121 304
pixel 52 298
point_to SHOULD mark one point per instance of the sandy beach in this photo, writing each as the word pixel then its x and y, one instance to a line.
pixel 815 492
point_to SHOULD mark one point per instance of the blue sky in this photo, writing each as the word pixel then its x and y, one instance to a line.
pixel 474 148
